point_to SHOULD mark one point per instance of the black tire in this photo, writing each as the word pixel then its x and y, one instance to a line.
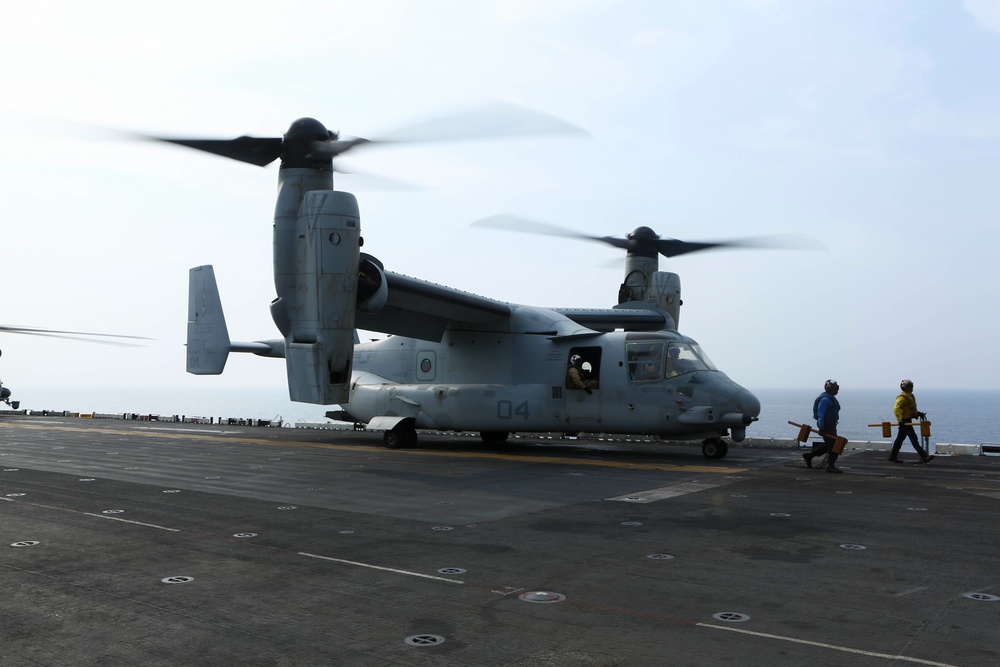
pixel 400 437
pixel 393 439
pixel 494 437
pixel 714 448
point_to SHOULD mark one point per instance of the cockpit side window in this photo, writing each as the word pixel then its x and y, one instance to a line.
pixel 644 361
pixel 685 358
pixel 703 357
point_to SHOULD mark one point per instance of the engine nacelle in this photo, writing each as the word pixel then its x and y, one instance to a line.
pixel 645 284
pixel 373 290
pixel 665 292
pixel 316 306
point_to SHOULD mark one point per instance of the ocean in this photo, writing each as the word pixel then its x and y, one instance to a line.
pixel 956 415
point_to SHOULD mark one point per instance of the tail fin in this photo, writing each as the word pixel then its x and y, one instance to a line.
pixel 207 336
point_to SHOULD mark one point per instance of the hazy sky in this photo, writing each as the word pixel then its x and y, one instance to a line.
pixel 872 126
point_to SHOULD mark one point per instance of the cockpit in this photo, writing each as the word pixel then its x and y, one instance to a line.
pixel 649 361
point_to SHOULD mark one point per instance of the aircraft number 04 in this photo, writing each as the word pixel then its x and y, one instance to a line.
pixel 507 410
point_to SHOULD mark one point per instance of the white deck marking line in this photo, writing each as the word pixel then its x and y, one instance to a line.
pixel 384 569
pixel 911 591
pixel 669 492
pixel 99 516
pixel 832 647
pixel 137 523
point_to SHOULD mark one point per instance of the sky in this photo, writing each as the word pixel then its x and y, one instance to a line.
pixel 870 126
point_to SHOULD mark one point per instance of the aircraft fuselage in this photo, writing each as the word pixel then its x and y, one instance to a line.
pixel 510 383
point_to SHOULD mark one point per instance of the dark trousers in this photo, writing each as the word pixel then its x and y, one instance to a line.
pixel 906 432
pixel 829 434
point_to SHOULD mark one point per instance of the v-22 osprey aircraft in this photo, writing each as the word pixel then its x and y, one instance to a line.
pixel 455 361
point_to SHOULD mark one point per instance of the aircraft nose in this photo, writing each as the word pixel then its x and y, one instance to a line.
pixel 747 403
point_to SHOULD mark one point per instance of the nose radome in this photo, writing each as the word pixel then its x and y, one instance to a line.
pixel 747 402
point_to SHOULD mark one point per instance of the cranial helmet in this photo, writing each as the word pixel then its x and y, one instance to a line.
pixel 575 360
pixel 906 385
pixel 831 387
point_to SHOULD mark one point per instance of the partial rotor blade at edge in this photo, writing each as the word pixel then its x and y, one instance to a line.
pixel 88 337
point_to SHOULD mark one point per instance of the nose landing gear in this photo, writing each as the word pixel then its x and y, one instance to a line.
pixel 714 448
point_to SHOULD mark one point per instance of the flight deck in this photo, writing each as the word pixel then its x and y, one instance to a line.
pixel 156 543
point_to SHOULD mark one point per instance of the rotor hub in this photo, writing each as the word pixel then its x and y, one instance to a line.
pixel 300 142
pixel 642 242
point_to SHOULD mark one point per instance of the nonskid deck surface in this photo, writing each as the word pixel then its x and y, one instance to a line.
pixel 169 544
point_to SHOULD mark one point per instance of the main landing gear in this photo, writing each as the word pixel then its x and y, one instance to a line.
pixel 401 436
pixel 714 448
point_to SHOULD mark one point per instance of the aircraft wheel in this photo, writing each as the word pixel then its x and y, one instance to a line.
pixel 392 439
pixel 400 437
pixel 494 437
pixel 714 448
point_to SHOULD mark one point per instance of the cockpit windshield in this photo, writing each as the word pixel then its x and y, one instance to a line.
pixel 648 360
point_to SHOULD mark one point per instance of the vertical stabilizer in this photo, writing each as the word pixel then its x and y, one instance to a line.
pixel 207 336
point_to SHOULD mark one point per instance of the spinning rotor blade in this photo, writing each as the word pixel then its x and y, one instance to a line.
pixel 644 241
pixel 491 120
pixel 74 335
pixel 308 139
pixel 513 223
pixel 260 152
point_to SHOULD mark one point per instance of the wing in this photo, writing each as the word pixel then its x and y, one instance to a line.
pixel 609 319
pixel 419 309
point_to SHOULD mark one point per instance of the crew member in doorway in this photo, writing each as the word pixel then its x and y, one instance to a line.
pixel 576 377
pixel 826 412
pixel 906 411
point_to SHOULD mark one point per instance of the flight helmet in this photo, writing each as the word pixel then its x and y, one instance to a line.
pixel 831 387
pixel 906 385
